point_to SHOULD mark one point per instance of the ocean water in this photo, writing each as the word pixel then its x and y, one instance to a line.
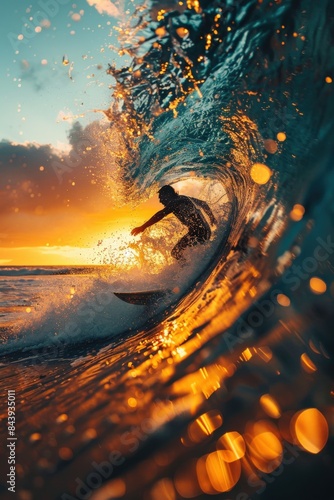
pixel 22 289
pixel 224 387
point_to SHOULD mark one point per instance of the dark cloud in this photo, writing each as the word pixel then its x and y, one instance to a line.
pixel 37 183
pixel 33 174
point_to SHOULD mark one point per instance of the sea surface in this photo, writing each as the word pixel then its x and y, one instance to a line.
pixel 223 388
pixel 23 288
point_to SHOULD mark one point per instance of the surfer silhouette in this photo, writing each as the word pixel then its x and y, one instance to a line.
pixel 189 211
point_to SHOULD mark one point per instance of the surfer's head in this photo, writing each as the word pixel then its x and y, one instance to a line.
pixel 167 194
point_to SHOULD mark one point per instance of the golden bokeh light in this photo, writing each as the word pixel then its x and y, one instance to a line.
pixel 270 145
pixel 297 213
pixel 223 475
pixel 307 364
pixel 204 381
pixel 260 173
pixel 265 353
pixel 270 406
pixel 281 136
pixel 62 418
pixel 65 453
pixel 232 446
pixel 182 32
pixel 317 285
pixel 203 477
pixel 260 426
pixel 185 481
pixel 161 31
pixel 266 451
pixel 246 355
pixel 310 429
pixel 283 300
pixel 114 489
pixel 313 347
pixel 204 426
pixel 132 402
pixel 163 490
pixel 36 436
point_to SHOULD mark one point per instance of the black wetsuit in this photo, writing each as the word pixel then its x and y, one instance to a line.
pixel 185 209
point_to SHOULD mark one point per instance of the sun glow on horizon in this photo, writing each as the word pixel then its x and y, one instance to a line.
pixel 104 238
pixel 121 250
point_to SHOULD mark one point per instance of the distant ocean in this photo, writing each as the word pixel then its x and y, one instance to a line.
pixel 23 288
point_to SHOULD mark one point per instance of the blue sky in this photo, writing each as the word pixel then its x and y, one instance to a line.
pixel 41 212
pixel 37 91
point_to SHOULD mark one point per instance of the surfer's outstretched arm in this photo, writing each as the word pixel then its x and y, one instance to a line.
pixel 202 204
pixel 153 220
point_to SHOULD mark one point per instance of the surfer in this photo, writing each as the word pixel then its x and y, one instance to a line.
pixel 188 211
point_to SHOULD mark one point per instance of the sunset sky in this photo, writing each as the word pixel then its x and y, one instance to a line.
pixel 51 214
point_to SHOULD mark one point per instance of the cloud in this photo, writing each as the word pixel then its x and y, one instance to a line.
pixel 43 190
pixel 67 116
pixel 104 7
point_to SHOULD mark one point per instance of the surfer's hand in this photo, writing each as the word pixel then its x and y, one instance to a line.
pixel 136 231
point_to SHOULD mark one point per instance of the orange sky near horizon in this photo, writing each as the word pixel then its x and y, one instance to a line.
pixel 56 206
pixel 73 239
pixel 71 220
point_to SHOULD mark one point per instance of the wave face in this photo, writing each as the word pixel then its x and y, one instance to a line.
pixel 229 380
pixel 220 86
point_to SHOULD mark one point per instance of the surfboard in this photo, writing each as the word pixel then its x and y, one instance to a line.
pixel 142 298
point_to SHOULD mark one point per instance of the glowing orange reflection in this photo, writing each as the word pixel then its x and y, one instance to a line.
pixel 260 173
pixel 204 381
pixel 255 428
pixel 270 145
pixel 203 477
pixel 317 285
pixel 161 31
pixel 65 453
pixel 223 475
pixel 233 446
pixel 297 213
pixel 270 406
pixel 283 300
pixel 132 402
pixel 310 430
pixel 281 136
pixel 246 354
pixel 186 482
pixel 204 426
pixel 266 451
pixel 182 32
pixel 265 353
pixel 313 347
pixel 307 363
pixel 163 489
pixel 112 489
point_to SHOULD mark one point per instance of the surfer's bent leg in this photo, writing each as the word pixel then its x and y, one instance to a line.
pixel 186 241
pixel 199 235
